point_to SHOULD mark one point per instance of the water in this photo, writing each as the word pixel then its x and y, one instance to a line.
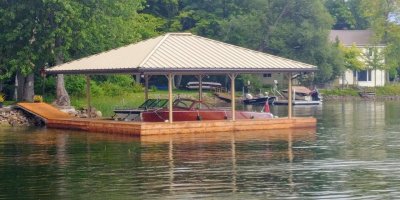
pixel 353 154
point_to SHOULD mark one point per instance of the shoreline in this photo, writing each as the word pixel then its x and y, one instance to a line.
pixel 359 98
pixel 12 117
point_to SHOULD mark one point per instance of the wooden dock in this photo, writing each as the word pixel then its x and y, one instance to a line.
pixel 57 119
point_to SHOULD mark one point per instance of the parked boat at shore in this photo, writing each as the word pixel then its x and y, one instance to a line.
pixel 193 110
pixel 301 96
pixel 155 110
pixel 259 100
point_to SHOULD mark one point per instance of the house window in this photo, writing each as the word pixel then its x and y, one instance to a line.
pixel 267 75
pixel 370 51
pixel 364 75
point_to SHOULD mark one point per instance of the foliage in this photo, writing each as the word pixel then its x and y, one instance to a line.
pixel 389 90
pixel 42 33
pixel 339 92
pixel 347 14
pixel 106 104
pixel 292 29
pixel 384 19
pixel 36 34
pixel 37 98
pixel 2 97
pixel 374 58
pixel 352 57
pixel 255 82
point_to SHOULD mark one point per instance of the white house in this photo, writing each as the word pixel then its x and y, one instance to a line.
pixel 362 40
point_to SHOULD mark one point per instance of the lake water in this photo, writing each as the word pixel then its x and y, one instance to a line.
pixel 354 153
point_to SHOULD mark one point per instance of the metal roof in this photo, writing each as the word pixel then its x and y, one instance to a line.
pixel 183 53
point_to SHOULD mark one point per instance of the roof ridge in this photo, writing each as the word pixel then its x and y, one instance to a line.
pixel 154 49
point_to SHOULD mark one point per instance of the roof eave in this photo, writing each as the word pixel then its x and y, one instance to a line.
pixel 94 71
pixel 189 71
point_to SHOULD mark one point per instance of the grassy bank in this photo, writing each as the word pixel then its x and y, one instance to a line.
pixel 106 104
pixel 388 90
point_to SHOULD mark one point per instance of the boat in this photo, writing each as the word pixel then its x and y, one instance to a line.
pixel 258 100
pixel 301 96
pixel 133 114
pixel 205 85
pixel 194 110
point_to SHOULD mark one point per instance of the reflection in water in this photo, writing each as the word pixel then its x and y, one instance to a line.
pixel 353 153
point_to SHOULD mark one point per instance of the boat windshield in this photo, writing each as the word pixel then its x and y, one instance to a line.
pixel 183 103
pixel 154 103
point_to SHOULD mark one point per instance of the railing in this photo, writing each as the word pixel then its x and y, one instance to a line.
pixel 219 90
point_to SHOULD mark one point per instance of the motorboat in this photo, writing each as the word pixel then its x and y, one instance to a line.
pixel 133 114
pixel 258 100
pixel 301 96
pixel 194 110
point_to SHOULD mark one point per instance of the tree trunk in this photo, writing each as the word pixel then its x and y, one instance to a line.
pixel 29 88
pixel 20 82
pixel 24 86
pixel 62 98
pixel 62 94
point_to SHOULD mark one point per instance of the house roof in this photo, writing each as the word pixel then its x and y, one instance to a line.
pixel 350 37
pixel 183 53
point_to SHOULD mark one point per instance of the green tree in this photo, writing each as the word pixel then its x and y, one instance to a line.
pixel 47 32
pixel 293 29
pixel 347 14
pixel 383 16
pixel 375 60
pixel 352 57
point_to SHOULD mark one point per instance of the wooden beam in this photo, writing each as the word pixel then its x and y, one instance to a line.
pixel 89 105
pixel 200 79
pixel 290 104
pixel 233 106
pixel 146 86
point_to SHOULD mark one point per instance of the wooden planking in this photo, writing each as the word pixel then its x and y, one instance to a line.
pixel 43 110
pixel 57 119
pixel 226 126
pixel 192 127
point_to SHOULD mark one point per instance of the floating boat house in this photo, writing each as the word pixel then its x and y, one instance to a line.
pixel 185 54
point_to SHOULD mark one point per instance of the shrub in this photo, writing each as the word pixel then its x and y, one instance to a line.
pixel 75 85
pixel 340 92
pixel 137 87
pixel 153 88
pixel 2 97
pixel 111 89
pixel 37 98
pixel 388 90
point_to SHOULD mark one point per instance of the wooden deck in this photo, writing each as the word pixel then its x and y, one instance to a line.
pixel 56 119
pixel 43 110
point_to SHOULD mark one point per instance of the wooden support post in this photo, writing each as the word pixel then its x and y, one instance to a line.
pixel 89 106
pixel 200 79
pixel 146 86
pixel 290 96
pixel 170 99
pixel 233 106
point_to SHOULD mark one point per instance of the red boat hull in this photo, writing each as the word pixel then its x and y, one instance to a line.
pixel 189 115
